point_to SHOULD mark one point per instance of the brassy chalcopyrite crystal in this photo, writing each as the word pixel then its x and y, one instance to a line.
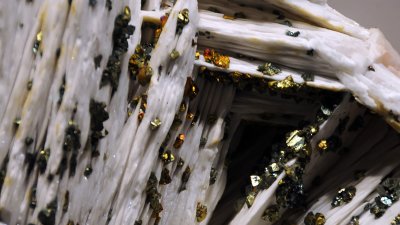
pixel 184 112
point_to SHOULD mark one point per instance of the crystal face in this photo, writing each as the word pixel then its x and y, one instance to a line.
pixel 195 112
pixel 295 141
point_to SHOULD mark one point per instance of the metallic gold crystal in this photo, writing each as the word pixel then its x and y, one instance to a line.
pixel 165 177
pixel 295 141
pixel 255 180
pixel 127 13
pixel 203 142
pixel 285 84
pixel 191 89
pixel 396 220
pixel 39 36
pixel 174 54
pixel 155 124
pixel 179 141
pixel 211 56
pixel 183 20
pixel 355 220
pixel 228 17
pixel 211 119
pixel 213 176
pixel 319 219
pixel 183 16
pixel 201 212
pixel 269 69
pixel 274 167
pixel 17 122
pixel 176 123
pixel 164 20
pixel 271 214
pixel 343 196
pixel 250 199
pixel 140 114
pixel 182 107
pixel 322 145
pixel 167 157
pixel 309 219
pixel 157 34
